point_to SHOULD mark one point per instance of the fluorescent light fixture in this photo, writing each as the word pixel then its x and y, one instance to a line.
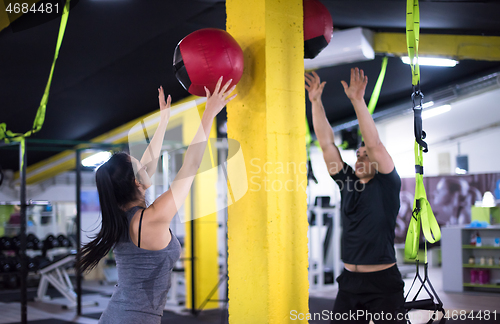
pixel 431 61
pixel 428 104
pixel 96 160
pixel 435 111
pixel 223 128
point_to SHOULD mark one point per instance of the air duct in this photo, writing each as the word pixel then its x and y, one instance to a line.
pixel 346 46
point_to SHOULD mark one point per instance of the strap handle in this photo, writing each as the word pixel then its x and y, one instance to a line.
pixel 422 213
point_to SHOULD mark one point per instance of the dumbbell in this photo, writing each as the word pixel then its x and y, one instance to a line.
pixel 16 243
pixel 17 262
pixel 32 264
pixel 50 242
pixel 63 241
pixel 4 267
pixel 33 243
pixel 7 264
pixel 5 243
pixel 13 264
pixel 11 281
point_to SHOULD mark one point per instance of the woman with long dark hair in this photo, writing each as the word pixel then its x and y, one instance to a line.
pixel 145 249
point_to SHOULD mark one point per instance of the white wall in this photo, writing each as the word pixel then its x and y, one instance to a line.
pixel 60 195
pixel 473 122
pixel 54 193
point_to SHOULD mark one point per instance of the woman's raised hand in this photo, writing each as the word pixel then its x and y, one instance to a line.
pixel 314 86
pixel 219 98
pixel 164 105
pixel 356 88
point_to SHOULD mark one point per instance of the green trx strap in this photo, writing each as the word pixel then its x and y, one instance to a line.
pixel 9 136
pixel 308 138
pixel 422 213
pixel 412 34
pixel 378 86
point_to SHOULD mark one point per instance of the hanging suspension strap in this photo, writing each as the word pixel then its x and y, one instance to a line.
pixel 422 215
pixel 9 136
pixel 412 35
pixel 378 86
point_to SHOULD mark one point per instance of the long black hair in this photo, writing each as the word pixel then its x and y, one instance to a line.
pixel 116 186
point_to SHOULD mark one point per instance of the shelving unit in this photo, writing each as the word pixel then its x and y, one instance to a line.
pixel 480 247
pixel 457 251
pixel 481 286
pixel 478 266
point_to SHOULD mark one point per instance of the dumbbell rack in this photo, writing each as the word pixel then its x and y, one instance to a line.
pixel 38 253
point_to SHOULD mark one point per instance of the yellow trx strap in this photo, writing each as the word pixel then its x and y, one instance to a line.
pixel 9 136
pixel 422 212
pixel 412 34
pixel 378 86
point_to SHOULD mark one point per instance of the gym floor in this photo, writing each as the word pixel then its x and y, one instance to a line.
pixel 39 312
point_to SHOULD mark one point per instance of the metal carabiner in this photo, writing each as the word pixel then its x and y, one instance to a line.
pixel 417 94
pixel 417 110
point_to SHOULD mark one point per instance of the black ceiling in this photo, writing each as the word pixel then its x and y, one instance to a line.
pixel 115 54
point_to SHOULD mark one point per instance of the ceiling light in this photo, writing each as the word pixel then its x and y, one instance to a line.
pixel 223 128
pixel 428 104
pixel 435 111
pixel 431 61
pixel 96 160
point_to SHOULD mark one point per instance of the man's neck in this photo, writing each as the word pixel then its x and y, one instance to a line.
pixel 366 179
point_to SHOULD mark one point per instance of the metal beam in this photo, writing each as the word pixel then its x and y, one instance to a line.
pixel 78 231
pixel 460 47
pixel 22 251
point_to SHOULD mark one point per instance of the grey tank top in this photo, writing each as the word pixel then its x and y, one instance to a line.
pixel 143 275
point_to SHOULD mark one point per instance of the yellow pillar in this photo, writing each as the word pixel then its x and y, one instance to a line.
pixel 267 228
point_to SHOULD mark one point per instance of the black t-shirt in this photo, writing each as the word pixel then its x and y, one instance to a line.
pixel 368 215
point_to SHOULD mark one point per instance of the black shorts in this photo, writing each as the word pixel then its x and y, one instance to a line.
pixel 365 296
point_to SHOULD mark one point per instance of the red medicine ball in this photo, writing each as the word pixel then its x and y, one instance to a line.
pixel 318 28
pixel 205 55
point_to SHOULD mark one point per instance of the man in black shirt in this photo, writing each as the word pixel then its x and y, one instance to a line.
pixel 370 287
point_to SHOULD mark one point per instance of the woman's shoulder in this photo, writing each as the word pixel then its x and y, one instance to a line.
pixel 130 212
